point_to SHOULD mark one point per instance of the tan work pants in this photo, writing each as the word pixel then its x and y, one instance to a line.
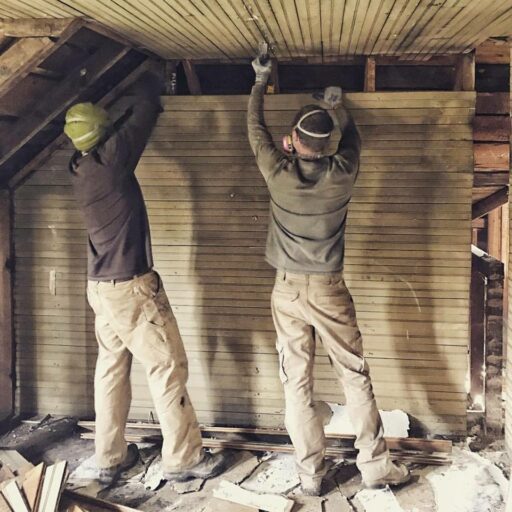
pixel 134 318
pixel 301 305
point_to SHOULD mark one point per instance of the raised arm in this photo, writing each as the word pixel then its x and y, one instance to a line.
pixel 133 129
pixel 268 157
pixel 349 147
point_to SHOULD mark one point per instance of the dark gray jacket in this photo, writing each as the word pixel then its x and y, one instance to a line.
pixel 309 198
pixel 109 194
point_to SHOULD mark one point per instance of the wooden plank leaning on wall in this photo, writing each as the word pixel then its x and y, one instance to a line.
pixel 6 309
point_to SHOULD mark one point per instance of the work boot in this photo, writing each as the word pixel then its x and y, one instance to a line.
pixel 209 466
pixel 312 488
pixel 109 476
pixel 398 474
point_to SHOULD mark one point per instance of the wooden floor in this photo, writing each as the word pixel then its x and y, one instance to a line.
pixel 407 261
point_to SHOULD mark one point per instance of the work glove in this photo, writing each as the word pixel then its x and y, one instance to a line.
pixel 333 96
pixel 262 70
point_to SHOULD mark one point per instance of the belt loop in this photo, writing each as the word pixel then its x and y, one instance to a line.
pixel 284 276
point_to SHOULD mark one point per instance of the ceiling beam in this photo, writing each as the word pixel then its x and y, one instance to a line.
pixel 34 27
pixel 60 98
pixel 490 179
pixel 489 203
pixel 35 57
pixel 107 101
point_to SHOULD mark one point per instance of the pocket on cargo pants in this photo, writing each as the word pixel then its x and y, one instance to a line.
pixel 156 338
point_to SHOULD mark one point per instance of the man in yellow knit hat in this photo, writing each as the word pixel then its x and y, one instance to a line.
pixel 133 315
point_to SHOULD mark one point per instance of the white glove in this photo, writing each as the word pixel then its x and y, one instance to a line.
pixel 333 96
pixel 262 70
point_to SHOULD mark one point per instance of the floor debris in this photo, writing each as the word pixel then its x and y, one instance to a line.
pixel 267 502
pixel 277 475
pixel 396 423
pixel 469 485
pixel 379 500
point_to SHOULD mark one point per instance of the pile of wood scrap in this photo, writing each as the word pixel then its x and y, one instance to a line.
pixel 436 452
pixel 28 488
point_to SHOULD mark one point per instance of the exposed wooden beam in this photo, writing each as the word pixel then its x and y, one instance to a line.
pixel 6 309
pixel 490 155
pixel 46 47
pixel 34 27
pixel 494 233
pixel 490 179
pixel 491 129
pixel 60 98
pixel 489 203
pixel 493 103
pixel 194 86
pixel 108 100
pixel 370 74
pixel 465 73
pixel 493 51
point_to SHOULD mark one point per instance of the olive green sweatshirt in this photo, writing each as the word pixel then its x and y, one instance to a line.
pixel 309 197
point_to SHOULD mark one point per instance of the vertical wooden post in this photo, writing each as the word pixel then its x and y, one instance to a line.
pixel 508 364
pixel 6 308
pixel 194 86
pixel 494 233
pixel 273 86
pixel 465 73
pixel 370 75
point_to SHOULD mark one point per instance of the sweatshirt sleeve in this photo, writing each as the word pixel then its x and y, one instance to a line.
pixel 268 157
pixel 349 148
pixel 131 136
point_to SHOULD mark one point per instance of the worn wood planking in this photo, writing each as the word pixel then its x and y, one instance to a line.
pixel 209 249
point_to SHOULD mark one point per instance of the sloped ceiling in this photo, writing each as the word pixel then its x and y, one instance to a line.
pixel 317 29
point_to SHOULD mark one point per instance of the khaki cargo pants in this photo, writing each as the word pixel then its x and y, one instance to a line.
pixel 303 305
pixel 134 318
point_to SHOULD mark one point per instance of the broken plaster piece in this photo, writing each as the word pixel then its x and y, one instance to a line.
pixel 268 502
pixel 396 423
pixel 188 486
pixel 278 475
pixel 382 500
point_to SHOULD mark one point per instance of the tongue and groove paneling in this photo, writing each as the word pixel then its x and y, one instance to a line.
pixel 407 261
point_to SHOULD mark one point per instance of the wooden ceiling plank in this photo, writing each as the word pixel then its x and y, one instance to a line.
pixel 168 18
pixel 403 16
pixel 376 31
pixel 372 20
pixel 328 21
pixel 291 33
pixel 48 8
pixel 305 26
pixel 218 26
pixel 359 19
pixel 389 26
pixel 315 22
pixel 473 15
pixel 34 27
pixel 337 15
pixel 428 41
pixel 295 26
pixel 269 26
pixel 152 14
pixel 59 99
pixel 413 25
pixel 124 23
pixel 501 26
pixel 242 20
pixel 348 26
pixel 49 150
